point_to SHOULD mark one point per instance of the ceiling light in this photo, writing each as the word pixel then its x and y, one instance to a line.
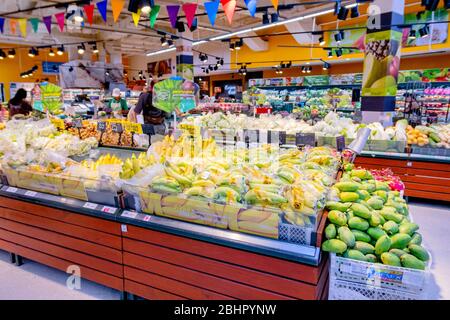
pixel 337 7
pixel 51 53
pixel 180 26
pixel 303 69
pixel 238 44
pixel 216 68
pixel 203 58
pixel 107 73
pixel 11 53
pixel 160 52
pixel 354 12
pixel 338 37
pixel 424 31
pixel 308 69
pixel 274 17
pixel 326 66
pixel 2 54
pixel 330 53
pixel 94 48
pixel 339 52
pixel 200 79
pixel 343 13
pixel 321 41
pixel 232 46
pixel 33 52
pixel 412 34
pixel 81 49
pixel 60 51
pixel 146 6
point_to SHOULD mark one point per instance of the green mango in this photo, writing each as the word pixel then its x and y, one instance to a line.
pixel 360 210
pixel 400 240
pixel 347 186
pixel 391 227
pixel 355 255
pixel 375 219
pixel 419 252
pixel 360 173
pixel 382 194
pixel 363 194
pixel 383 245
pixel 390 259
pixel 348 167
pixel 358 224
pixel 337 217
pixel 389 213
pixel 364 247
pixel 380 185
pixel 361 236
pixel 397 252
pixel 356 179
pixel 330 231
pixel 334 245
pixel 408 228
pixel 410 261
pixel 371 258
pixel 375 202
pixel 349 214
pixel 376 233
pixel 333 205
pixel 347 236
pixel 348 196
pixel 416 239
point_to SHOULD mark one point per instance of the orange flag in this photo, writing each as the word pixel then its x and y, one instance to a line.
pixel 13 25
pixel 275 4
pixel 117 6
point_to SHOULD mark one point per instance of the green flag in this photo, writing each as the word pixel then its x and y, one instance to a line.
pixel 34 23
pixel 153 15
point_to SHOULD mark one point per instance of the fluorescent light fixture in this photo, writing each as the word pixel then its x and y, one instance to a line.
pixel 197 43
pixel 161 52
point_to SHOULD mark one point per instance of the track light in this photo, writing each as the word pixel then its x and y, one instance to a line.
pixel 11 53
pixel 338 37
pixel 164 42
pixel 219 62
pixel 216 68
pixel 424 31
pixel 430 5
pixel 78 17
pixel 107 72
pixel 274 17
pixel 203 58
pixel 308 69
pixel 194 25
pixel 232 46
pixel 412 34
pixel 339 52
pixel 321 41
pixel 211 68
pixel 303 69
pixel 337 7
pixel 326 66
pixel 238 44
pixel 354 12
pixel 343 13
pixel 2 54
pixel 94 48
pixel 146 6
pixel 51 53
pixel 180 26
pixel 33 52
pixel 330 53
pixel 60 51
pixel 265 19
pixel 81 49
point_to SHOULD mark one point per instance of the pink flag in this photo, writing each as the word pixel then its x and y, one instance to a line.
pixel 61 19
pixel 189 9
pixel 229 6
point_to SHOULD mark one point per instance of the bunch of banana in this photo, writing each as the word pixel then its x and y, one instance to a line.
pixel 166 185
pixel 182 172
pixel 292 156
pixel 265 195
pixel 134 165
pixel 201 188
pixel 226 194
pixel 288 174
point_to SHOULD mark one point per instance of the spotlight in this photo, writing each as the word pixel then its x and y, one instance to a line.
pixel 134 5
pixel 219 62
pixel 330 53
pixel 239 44
pixel 94 48
pixel 431 5
pixel 354 12
pixel 424 31
pixel 60 51
pixel 180 26
pixel 303 69
pixel 321 41
pixel 337 7
pixel 412 34
pixel 81 49
pixel 265 19
pixel 146 6
pixel 51 53
pixel 203 58
pixel 11 53
pixel 343 13
pixel 2 54
pixel 164 42
pixel 33 52
pixel 78 17
pixel 274 17
pixel 211 68
pixel 107 72
pixel 216 68
pixel 232 46
pixel 308 69
pixel 338 37
pixel 200 79
pixel 326 66
pixel 339 52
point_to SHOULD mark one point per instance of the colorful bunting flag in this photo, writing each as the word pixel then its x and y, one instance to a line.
pixel 117 6
pixel 61 19
pixel 189 10
pixel 229 6
pixel 172 12
pixel 251 6
pixel 48 23
pixel 23 26
pixel 275 4
pixel 102 6
pixel 34 24
pixel 153 15
pixel 2 24
pixel 13 25
pixel 211 9
pixel 89 11
pixel 136 17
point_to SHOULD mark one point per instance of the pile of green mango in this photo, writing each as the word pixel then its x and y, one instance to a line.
pixel 369 222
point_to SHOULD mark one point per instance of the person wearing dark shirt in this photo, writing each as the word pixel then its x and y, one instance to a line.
pixel 18 104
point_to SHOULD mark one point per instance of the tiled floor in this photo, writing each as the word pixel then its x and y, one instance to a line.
pixel 35 281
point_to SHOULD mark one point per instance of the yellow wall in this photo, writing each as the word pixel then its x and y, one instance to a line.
pixel 10 69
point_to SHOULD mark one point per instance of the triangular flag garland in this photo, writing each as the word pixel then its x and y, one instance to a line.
pixel 153 15
pixel 61 19
pixel 172 12
pixel 102 6
pixel 251 6
pixel 117 6
pixel 89 11
pixel 189 10
pixel 23 26
pixel 229 6
pixel 34 24
pixel 275 4
pixel 211 9
pixel 136 17
pixel 13 25
pixel 48 23
pixel 2 24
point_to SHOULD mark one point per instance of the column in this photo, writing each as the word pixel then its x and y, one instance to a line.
pixel 382 61
pixel 185 58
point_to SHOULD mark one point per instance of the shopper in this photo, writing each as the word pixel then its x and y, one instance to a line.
pixel 19 104
pixel 117 104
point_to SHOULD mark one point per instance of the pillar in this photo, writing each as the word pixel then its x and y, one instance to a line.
pixel 185 57
pixel 382 61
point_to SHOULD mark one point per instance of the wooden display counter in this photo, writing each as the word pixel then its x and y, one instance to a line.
pixel 422 179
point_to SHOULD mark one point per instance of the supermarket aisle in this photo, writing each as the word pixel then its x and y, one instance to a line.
pixel 35 281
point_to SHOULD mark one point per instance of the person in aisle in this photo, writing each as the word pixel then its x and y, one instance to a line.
pixel 117 104
pixel 19 104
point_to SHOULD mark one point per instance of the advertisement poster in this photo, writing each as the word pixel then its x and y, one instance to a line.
pixel 174 93
pixel 316 81
pixel 438 31
pixel 382 63
pixel 429 75
pixel 342 79
pixel 37 98
pixel 159 68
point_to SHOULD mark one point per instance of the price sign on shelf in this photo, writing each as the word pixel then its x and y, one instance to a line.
pixel 117 127
pixel 58 123
pixel 305 139
pixel 101 126
pixel 31 194
pixel 251 135
pixel 78 123
pixel 133 127
pixel 11 189
pixel 109 210
pixel 340 143
pixel 89 205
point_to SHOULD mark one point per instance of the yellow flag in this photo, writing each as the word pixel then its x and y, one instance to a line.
pixel 275 4
pixel 136 17
pixel 117 6
pixel 23 26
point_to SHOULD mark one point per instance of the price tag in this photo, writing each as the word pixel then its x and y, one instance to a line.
pixel 282 137
pixel 89 205
pixel 109 210
pixel 129 214
pixel 117 127
pixel 58 123
pixel 101 126
pixel 124 228
pixel 78 123
pixel 148 129
pixel 251 135
pixel 11 189
pixel 305 139
pixel 147 218
pixel 133 127
pixel 340 143
pixel 31 194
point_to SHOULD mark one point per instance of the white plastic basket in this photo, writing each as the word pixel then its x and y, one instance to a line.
pixel 359 280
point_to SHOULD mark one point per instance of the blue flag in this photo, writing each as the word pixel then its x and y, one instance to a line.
pixel 211 9
pixel 2 24
pixel 251 6
pixel 102 6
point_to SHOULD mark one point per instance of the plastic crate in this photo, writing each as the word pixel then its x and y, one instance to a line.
pixel 296 234
pixel 359 280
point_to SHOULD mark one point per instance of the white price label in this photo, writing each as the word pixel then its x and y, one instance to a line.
pixel 89 205
pixel 110 210
pixel 31 194
pixel 146 218
pixel 129 214
pixel 63 200
pixel 124 228
pixel 11 189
